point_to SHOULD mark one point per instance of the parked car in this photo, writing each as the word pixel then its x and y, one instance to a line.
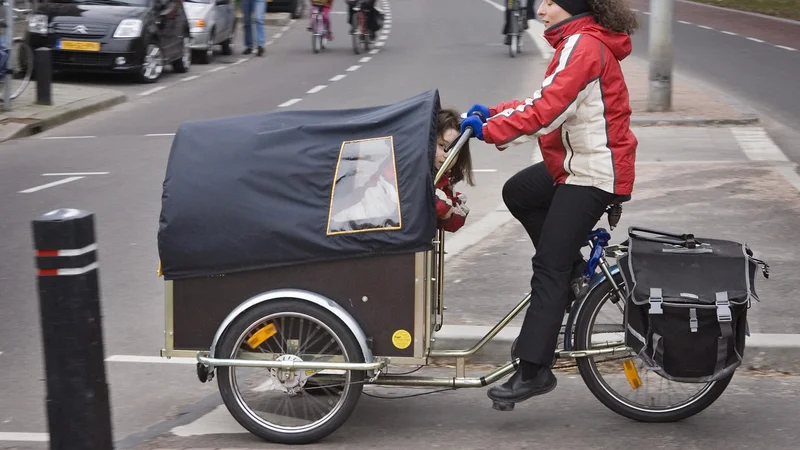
pixel 295 7
pixel 212 23
pixel 113 36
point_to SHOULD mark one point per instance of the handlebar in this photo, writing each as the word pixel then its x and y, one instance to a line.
pixel 455 147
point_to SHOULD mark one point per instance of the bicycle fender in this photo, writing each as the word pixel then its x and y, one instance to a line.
pixel 596 281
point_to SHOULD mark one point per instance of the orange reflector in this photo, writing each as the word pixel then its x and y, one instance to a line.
pixel 159 272
pixel 262 335
pixel 632 374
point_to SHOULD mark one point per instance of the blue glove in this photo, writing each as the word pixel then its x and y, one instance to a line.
pixel 479 108
pixel 475 123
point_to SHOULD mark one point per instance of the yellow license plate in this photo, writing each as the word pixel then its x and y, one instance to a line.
pixel 85 46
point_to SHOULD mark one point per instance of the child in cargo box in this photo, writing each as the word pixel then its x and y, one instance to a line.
pixel 451 207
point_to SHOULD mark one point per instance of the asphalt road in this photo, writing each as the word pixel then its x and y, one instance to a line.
pixel 427 46
pixel 753 58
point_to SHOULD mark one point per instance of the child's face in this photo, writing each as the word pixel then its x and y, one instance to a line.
pixel 444 142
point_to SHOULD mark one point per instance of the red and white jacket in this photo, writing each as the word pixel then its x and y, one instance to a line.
pixel 581 114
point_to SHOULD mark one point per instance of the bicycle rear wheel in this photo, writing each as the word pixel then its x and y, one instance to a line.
pixel 20 68
pixel 633 391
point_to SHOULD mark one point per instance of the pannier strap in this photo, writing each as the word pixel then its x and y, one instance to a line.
pixel 725 319
pixel 693 320
pixel 723 307
pixel 656 300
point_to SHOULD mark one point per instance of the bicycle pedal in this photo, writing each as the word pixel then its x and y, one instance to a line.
pixel 502 406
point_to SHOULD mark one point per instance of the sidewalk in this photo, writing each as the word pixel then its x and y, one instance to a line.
pixel 692 102
pixel 69 102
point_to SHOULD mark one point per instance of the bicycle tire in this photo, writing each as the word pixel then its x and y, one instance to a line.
pixel 19 45
pixel 600 390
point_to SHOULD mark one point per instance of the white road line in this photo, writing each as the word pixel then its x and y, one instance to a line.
pixel 685 22
pixel 66 174
pixel 387 26
pixel 374 51
pixel 380 43
pixel 277 35
pixel 289 103
pixel 755 40
pixel 24 437
pixel 729 33
pixel 383 37
pixel 216 421
pixel 152 91
pixel 484 170
pixel 353 68
pixel 269 42
pixel 757 145
pixel 786 48
pixel 150 359
pixel 285 29
pixel 68 137
pixel 49 185
pixel 337 77
pixel 217 69
pixel 646 13
pixel 316 89
pixel 385 31
pixel 193 77
pixel 365 59
pixel 241 60
pixel 705 27
pixel 477 231
pixel 159 134
pixel 790 173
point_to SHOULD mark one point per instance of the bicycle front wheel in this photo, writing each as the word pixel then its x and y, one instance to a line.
pixel 20 68
pixel 633 391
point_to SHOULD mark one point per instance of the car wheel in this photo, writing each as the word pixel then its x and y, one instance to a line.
pixel 207 55
pixel 182 65
pixel 152 63
pixel 297 9
pixel 227 44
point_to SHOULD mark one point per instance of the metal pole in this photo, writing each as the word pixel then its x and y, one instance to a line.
pixel 661 52
pixel 78 406
pixel 10 46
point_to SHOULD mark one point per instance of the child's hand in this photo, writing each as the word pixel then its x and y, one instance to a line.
pixel 462 198
pixel 461 210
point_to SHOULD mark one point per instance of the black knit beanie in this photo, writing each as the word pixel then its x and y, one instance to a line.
pixel 574 7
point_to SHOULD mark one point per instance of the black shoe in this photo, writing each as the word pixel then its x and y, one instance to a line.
pixel 508 40
pixel 247 51
pixel 260 51
pixel 516 390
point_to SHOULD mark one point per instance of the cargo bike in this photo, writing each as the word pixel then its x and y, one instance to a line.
pixel 302 261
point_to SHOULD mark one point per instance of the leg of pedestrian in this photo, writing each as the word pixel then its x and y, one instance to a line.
pixel 260 11
pixel 247 13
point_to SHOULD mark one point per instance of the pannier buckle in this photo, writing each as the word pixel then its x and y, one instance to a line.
pixel 723 307
pixel 655 301
pixel 693 323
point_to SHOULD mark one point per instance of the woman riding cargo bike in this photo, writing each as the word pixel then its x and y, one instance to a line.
pixel 308 259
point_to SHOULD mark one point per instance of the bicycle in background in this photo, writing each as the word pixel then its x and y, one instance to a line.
pixel 16 62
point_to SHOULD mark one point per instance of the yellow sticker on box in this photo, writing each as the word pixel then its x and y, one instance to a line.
pixel 262 335
pixel 85 46
pixel 401 339
pixel 632 374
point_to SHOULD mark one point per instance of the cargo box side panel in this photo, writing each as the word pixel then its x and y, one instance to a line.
pixel 377 291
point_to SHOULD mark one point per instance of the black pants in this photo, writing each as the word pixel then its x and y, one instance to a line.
pixel 558 220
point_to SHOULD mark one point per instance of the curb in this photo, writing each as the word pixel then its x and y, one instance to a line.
pixel 59 116
pixel 778 352
pixel 668 121
pixel 271 19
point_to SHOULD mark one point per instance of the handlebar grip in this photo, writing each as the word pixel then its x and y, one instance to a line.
pixel 480 116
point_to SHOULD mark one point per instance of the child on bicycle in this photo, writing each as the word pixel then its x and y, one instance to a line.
pixel 451 208
pixel 325 6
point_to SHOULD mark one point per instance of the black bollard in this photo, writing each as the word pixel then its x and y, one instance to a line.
pixel 44 76
pixel 78 406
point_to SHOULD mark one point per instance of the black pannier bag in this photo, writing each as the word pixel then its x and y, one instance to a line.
pixel 686 303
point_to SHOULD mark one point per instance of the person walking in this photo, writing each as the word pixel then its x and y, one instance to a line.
pixel 257 8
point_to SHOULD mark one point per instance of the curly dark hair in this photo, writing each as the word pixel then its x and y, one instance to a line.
pixel 616 15
pixel 448 119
